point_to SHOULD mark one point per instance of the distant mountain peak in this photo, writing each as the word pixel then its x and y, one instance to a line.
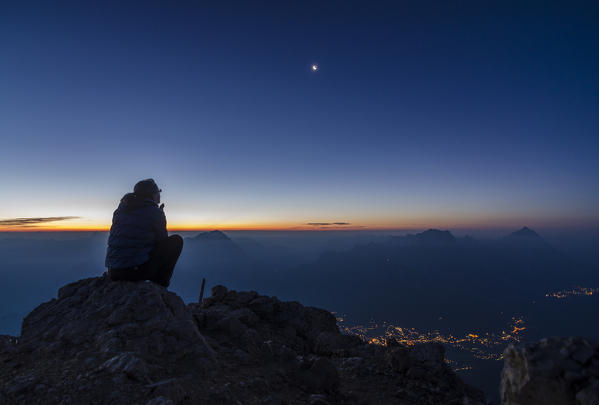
pixel 435 236
pixel 436 233
pixel 211 235
pixel 525 232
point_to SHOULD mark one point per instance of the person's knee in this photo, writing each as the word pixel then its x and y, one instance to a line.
pixel 176 240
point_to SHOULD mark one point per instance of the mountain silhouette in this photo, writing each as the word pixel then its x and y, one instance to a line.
pixel 525 232
pixel 211 236
pixel 210 255
pixel 432 270
pixel 433 236
pixel 526 238
pixel 214 244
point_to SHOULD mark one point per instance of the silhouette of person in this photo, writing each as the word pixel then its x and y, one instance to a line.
pixel 139 247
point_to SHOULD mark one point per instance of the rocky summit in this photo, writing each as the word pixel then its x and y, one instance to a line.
pixel 105 342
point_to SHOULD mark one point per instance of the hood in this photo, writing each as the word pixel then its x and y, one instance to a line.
pixel 131 201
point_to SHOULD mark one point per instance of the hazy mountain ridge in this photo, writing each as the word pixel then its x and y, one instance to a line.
pixel 437 270
pixel 421 267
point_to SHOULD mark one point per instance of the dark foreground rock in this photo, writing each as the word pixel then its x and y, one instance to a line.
pixel 104 342
pixel 554 371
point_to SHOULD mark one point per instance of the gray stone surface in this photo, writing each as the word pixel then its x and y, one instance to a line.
pixel 551 371
pixel 114 317
pixel 105 342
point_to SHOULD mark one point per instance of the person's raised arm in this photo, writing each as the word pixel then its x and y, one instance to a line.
pixel 159 224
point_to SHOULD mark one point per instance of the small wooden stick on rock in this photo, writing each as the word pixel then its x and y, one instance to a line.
pixel 202 291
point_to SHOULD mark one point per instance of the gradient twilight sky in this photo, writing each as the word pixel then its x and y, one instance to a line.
pixel 445 114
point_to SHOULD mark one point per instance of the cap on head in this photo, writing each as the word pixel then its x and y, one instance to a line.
pixel 146 188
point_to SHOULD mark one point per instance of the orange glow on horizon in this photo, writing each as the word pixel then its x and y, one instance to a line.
pixel 191 227
pixel 367 224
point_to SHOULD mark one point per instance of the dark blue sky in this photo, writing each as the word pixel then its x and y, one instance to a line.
pixel 421 114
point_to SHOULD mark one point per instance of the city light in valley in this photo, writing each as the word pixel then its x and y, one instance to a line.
pixel 578 291
pixel 482 345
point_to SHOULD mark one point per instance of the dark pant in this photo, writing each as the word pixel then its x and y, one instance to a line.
pixel 159 268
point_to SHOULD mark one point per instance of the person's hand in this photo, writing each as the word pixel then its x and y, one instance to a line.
pixel 162 206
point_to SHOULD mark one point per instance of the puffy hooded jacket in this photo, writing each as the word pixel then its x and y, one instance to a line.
pixel 138 224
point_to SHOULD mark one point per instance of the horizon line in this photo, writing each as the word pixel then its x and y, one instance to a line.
pixel 304 229
pixel 223 229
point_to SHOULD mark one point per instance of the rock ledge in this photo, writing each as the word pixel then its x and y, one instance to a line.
pixel 104 342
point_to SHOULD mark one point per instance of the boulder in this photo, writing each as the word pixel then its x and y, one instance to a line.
pixel 114 317
pixel 551 371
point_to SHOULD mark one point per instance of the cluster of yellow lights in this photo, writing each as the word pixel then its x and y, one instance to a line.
pixel 573 292
pixel 487 346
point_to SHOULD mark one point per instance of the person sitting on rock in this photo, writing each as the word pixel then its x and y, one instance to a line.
pixel 139 247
